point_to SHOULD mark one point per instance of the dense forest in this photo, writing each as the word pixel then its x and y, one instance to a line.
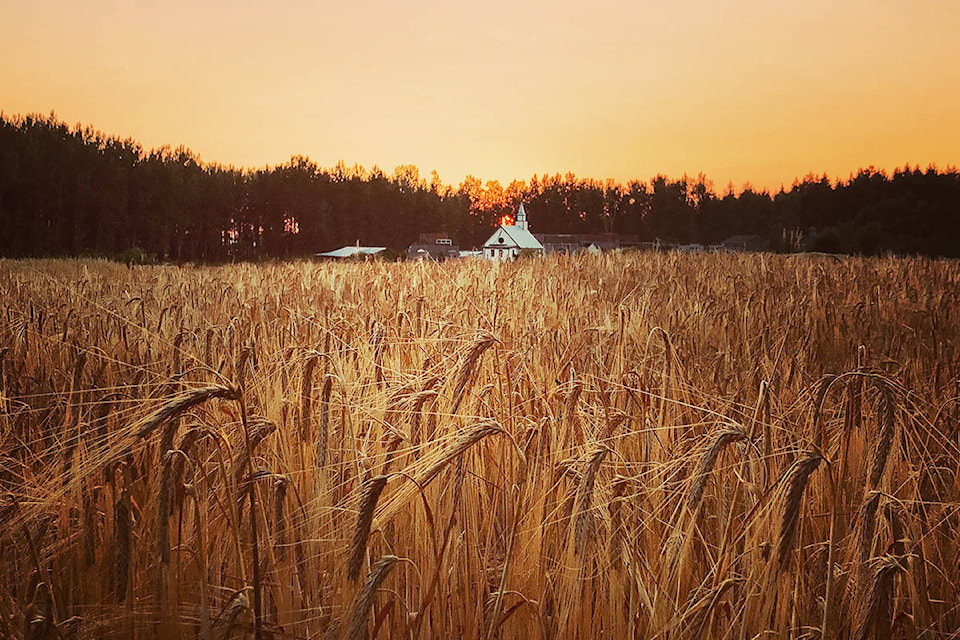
pixel 67 191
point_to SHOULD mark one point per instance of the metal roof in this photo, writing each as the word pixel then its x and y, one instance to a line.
pixel 351 251
pixel 513 237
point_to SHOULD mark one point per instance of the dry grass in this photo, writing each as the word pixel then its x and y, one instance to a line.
pixel 638 446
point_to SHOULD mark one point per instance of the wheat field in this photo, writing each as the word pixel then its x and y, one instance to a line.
pixel 652 445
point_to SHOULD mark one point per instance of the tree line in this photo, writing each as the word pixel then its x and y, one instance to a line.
pixel 69 191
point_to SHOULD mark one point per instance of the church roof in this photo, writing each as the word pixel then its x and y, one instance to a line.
pixel 513 236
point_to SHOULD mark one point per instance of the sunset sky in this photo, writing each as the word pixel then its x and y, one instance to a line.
pixel 754 91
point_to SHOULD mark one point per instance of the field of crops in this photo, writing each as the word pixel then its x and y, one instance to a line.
pixel 638 446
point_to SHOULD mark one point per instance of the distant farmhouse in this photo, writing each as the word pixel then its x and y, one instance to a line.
pixel 508 241
pixel 433 246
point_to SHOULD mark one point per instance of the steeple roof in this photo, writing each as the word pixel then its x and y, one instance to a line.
pixel 521 220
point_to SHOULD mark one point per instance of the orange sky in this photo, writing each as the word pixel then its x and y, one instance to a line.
pixel 748 90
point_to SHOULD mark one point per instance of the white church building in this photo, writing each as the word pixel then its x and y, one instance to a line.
pixel 508 241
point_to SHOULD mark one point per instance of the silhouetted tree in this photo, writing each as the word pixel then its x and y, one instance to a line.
pixel 72 191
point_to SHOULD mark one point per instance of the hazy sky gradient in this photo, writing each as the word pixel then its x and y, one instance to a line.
pixel 742 91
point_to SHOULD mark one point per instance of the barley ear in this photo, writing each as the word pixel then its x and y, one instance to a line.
pixel 122 539
pixel 481 344
pixel 184 402
pixel 583 528
pixel 874 612
pixel 790 518
pixel 708 460
pixel 306 396
pixel 368 503
pixel 881 449
pixel 324 420
pixel 364 601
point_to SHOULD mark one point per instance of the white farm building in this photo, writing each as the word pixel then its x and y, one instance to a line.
pixel 508 241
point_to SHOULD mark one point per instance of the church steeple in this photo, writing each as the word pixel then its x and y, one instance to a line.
pixel 521 220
